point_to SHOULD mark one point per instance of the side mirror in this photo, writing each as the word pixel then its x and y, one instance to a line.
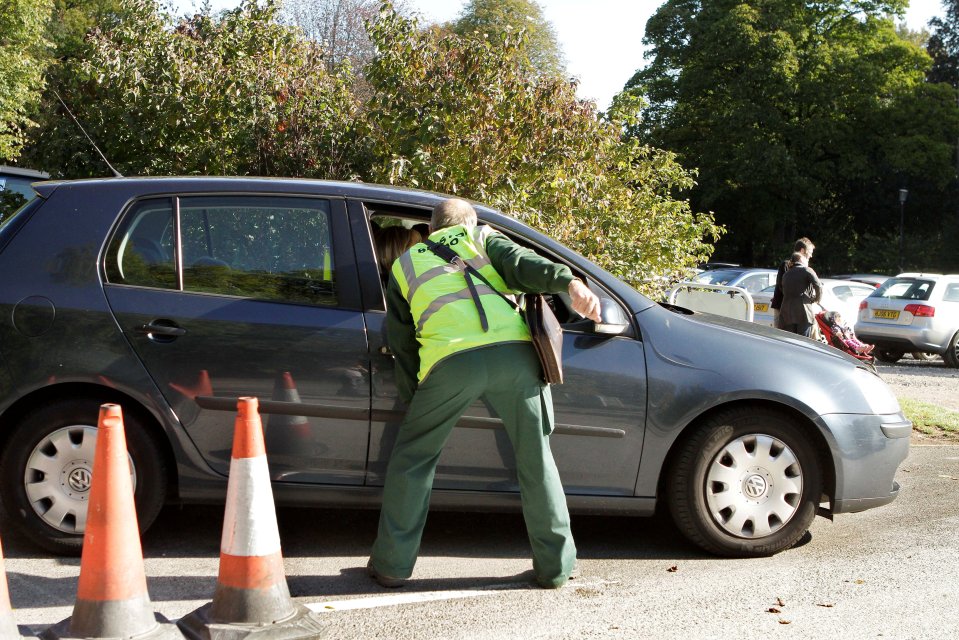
pixel 614 319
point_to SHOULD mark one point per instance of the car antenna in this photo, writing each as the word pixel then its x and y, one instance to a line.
pixel 116 173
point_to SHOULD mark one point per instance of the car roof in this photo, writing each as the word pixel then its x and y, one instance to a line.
pixel 23 173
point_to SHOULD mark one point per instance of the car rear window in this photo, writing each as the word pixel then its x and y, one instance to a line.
pixel 905 289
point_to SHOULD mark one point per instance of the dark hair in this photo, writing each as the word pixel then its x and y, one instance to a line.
pixel 392 242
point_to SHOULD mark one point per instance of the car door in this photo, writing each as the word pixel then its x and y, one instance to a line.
pixel 223 296
pixel 599 417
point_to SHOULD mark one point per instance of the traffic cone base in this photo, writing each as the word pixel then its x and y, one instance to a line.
pixel 301 623
pixel 163 630
pixel 112 599
pixel 252 599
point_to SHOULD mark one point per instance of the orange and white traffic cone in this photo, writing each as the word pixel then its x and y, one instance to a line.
pixel 112 599
pixel 251 598
pixel 8 625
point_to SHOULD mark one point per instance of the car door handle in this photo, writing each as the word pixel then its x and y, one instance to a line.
pixel 152 328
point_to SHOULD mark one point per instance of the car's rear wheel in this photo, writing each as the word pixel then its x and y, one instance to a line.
pixel 922 356
pixel 47 466
pixel 951 356
pixel 888 355
pixel 745 484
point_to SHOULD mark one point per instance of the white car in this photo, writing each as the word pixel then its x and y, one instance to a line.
pixel 843 296
pixel 913 312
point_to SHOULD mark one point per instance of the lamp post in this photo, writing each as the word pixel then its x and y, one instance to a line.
pixel 903 194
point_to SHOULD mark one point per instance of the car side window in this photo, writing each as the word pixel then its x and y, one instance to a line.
pixel 262 247
pixel 141 253
pixel 952 292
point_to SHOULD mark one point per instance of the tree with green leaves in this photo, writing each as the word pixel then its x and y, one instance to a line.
pixel 241 94
pixel 803 118
pixel 23 59
pixel 467 116
pixel 943 45
pixel 500 20
pixel 230 94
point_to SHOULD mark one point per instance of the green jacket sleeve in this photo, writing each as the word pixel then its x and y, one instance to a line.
pixel 401 337
pixel 525 270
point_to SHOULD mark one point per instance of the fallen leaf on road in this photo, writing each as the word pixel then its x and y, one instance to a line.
pixel 773 610
pixel 780 602
pixel 948 477
pixel 824 604
pixel 673 569
pixel 781 621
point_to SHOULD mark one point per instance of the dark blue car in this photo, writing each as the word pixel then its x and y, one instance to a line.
pixel 175 296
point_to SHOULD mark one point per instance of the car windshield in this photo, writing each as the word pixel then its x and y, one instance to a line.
pixel 905 289
pixel 718 276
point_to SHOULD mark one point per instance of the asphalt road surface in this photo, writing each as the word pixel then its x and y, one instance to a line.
pixel 891 572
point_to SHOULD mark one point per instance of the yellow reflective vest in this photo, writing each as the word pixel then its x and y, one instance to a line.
pixel 446 318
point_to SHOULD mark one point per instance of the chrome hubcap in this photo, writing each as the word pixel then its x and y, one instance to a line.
pixel 58 475
pixel 753 486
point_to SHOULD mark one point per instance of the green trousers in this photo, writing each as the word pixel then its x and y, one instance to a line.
pixel 508 377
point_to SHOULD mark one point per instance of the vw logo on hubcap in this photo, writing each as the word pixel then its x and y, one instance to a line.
pixel 754 486
pixel 79 479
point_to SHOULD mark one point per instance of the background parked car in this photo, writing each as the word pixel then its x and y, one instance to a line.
pixel 912 312
pixel 174 296
pixel 872 279
pixel 752 280
pixel 18 180
pixel 843 296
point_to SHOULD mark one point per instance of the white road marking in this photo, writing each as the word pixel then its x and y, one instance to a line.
pixel 430 596
pixel 409 598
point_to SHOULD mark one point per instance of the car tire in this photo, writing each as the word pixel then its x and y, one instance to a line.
pixel 888 356
pixel 922 356
pixel 45 469
pixel 951 355
pixel 745 484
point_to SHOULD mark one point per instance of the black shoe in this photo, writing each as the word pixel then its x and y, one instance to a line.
pixel 548 584
pixel 384 581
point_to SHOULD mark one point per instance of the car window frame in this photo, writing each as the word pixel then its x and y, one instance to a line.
pixel 344 265
pixel 374 296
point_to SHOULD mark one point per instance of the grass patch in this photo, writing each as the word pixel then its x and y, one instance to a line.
pixel 931 420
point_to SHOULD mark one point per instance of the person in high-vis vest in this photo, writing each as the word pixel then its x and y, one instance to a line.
pixel 453 344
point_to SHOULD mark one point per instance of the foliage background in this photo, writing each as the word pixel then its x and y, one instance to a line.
pixel 242 93
pixel 806 118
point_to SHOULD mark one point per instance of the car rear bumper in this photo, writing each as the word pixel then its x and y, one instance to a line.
pixel 902 337
pixel 867 451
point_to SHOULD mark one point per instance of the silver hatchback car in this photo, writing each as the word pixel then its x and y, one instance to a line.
pixel 912 312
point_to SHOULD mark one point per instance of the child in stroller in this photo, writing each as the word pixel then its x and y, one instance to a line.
pixel 841 336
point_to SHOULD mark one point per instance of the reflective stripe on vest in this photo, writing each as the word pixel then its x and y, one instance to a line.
pixel 443 310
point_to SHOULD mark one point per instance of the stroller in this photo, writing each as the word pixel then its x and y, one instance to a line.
pixel 827 325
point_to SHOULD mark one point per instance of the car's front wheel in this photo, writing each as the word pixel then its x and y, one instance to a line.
pixel 745 484
pixel 951 356
pixel 47 466
pixel 888 355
